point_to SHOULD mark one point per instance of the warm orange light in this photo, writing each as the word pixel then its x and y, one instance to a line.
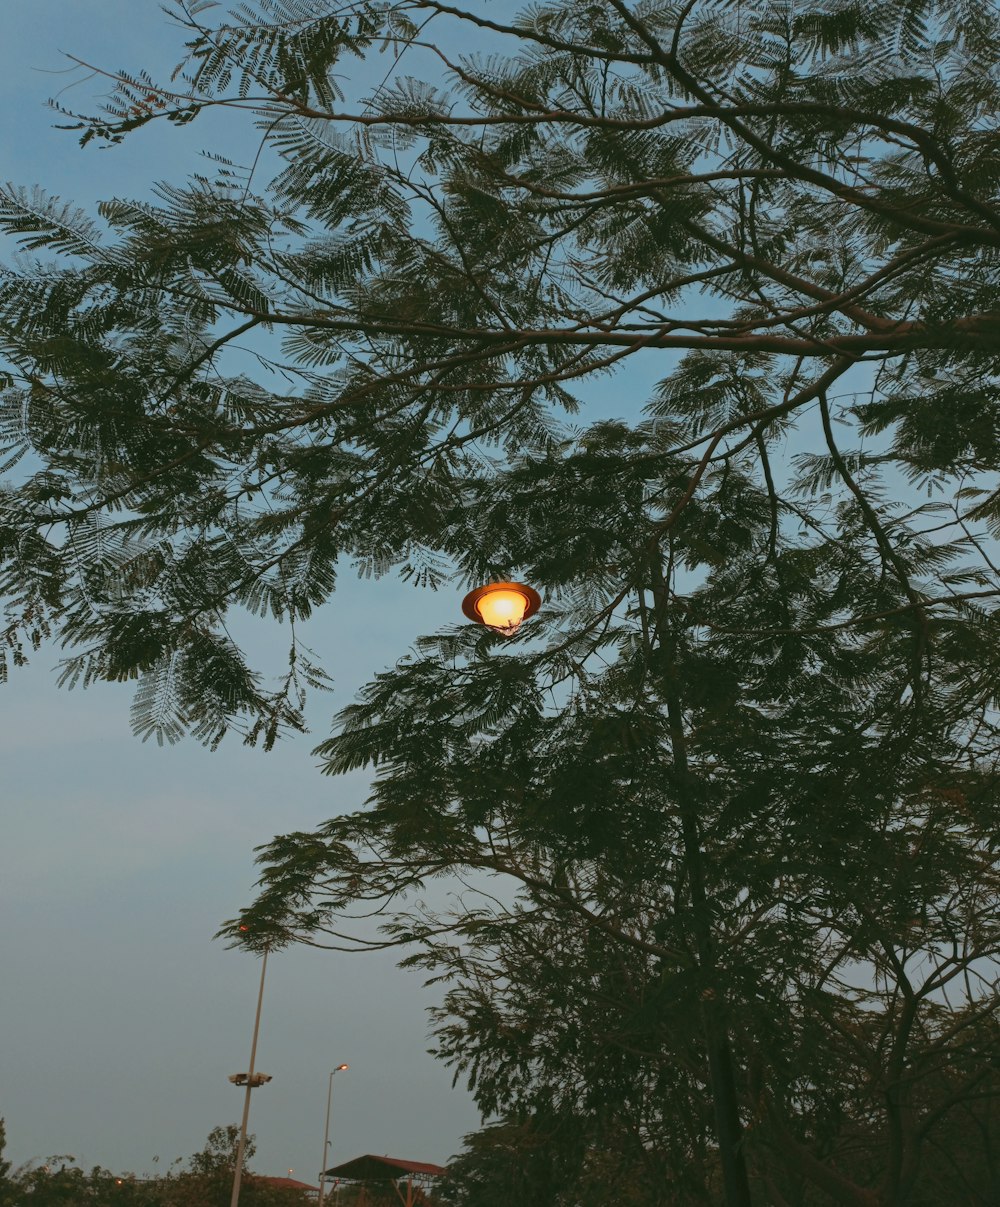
pixel 502 609
pixel 502 606
pixel 340 1068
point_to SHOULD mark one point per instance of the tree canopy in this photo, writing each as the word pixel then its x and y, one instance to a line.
pixel 800 199
pixel 735 786
pixel 206 1181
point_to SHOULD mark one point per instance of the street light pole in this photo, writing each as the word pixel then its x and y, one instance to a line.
pixel 326 1134
pixel 251 1081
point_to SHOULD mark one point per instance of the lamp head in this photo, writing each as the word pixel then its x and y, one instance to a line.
pixel 502 606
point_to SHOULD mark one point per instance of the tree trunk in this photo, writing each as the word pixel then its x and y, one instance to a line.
pixel 712 1005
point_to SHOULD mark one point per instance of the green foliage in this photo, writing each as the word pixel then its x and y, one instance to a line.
pixel 219 1153
pixel 530 1163
pixel 737 783
pixel 846 840
pixel 67 1185
pixel 762 188
pixel 7 1185
pixel 207 1182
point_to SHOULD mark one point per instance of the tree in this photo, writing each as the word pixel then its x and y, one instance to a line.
pixel 608 1056
pixel 208 1179
pixel 6 1184
pixel 816 184
pixel 514 1163
pixel 207 1182
pixel 68 1185
pixel 756 746
pixel 837 948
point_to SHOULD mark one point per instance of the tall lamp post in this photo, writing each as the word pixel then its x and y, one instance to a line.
pixel 326 1133
pixel 251 1080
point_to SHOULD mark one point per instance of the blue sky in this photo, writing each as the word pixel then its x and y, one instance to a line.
pixel 121 1018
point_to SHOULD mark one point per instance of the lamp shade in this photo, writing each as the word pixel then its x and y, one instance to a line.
pixel 502 606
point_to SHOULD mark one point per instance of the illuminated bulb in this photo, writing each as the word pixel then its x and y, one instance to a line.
pixel 502 609
pixel 502 606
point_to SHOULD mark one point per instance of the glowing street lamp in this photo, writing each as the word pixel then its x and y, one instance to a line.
pixel 326 1133
pixel 502 606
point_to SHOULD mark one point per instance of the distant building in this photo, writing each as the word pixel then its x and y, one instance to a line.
pixel 368 1178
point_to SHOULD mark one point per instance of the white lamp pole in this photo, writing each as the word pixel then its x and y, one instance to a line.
pixel 326 1134
pixel 252 1080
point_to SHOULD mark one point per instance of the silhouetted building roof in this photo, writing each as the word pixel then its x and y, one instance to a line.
pixel 382 1169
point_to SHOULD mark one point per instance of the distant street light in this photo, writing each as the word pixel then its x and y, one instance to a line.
pixel 326 1133
pixel 251 1080
pixel 502 606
